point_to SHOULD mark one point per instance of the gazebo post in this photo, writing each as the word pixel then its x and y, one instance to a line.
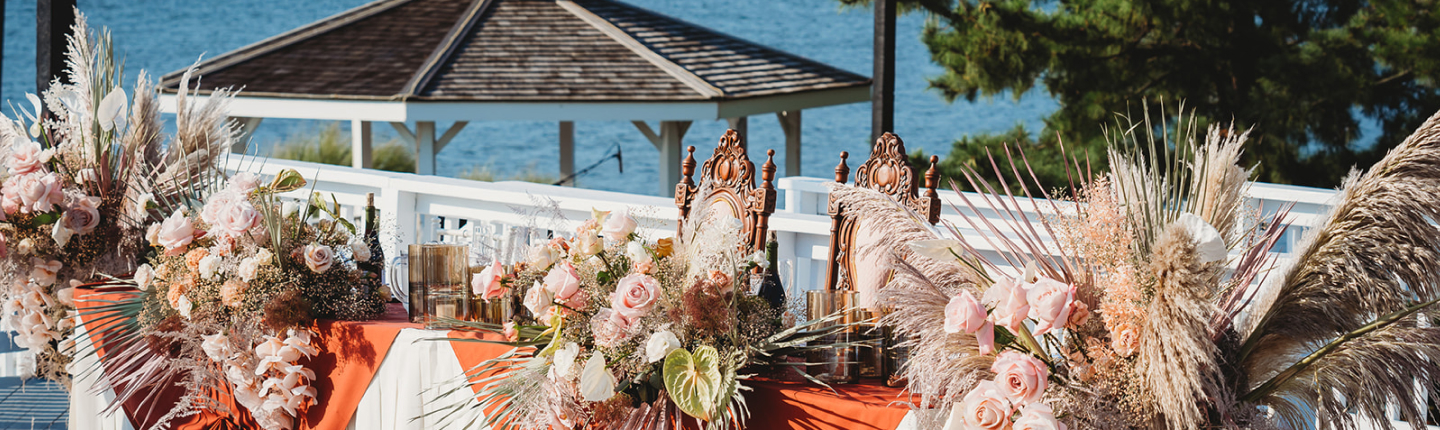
pixel 425 147
pixel 361 142
pixel 669 142
pixel 567 151
pixel 741 125
pixel 790 123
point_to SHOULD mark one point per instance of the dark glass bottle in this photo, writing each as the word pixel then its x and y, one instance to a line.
pixel 770 288
pixel 376 262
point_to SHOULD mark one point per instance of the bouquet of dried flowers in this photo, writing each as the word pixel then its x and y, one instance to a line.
pixel 79 183
pixel 1149 301
pixel 626 332
pixel 228 296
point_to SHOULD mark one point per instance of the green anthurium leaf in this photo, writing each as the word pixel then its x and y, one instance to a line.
pixel 287 180
pixel 693 379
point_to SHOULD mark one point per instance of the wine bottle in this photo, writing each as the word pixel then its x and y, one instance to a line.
pixel 770 288
pixel 376 262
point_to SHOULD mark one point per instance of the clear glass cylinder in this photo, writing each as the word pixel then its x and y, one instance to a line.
pixel 835 365
pixel 447 283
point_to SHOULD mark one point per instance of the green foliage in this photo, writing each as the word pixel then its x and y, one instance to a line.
pixel 1300 73
pixel 329 144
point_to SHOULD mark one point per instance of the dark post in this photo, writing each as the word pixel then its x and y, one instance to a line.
pixel 882 89
pixel 53 19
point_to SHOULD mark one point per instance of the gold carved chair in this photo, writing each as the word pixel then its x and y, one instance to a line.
pixel 727 180
pixel 887 171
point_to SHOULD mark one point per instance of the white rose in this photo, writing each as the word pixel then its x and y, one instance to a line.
pixel 361 251
pixel 183 306
pixel 637 253
pixel 248 268
pixel 263 256
pixel 660 345
pixel 587 243
pixel 209 266
pixel 541 257
pixel 565 359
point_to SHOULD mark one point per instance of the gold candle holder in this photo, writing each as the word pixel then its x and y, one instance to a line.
pixel 872 357
pixel 840 365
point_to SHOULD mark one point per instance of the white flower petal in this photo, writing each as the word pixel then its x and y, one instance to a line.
pixel 565 358
pixel 1208 242
pixel 112 109
pixel 596 383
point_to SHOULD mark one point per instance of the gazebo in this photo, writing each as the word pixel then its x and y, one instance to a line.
pixel 436 61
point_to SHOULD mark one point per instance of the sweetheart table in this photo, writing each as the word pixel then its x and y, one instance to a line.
pixel 389 373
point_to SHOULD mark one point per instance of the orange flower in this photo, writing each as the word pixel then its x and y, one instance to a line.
pixel 192 259
pixel 664 247
pixel 232 294
pixel 178 289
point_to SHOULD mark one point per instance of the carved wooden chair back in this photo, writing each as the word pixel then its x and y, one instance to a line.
pixel 888 171
pixel 728 182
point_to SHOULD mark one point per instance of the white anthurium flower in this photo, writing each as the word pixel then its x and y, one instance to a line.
pixel 596 383
pixel 565 359
pixel 111 112
pixel 938 249
pixel 660 345
pixel 1208 242
pixel 60 233
pixel 35 107
pixel 70 100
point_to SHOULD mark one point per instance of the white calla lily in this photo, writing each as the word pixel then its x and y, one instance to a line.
pixel 938 249
pixel 565 358
pixel 596 383
pixel 112 109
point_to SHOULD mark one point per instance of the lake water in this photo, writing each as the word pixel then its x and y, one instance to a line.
pixel 161 36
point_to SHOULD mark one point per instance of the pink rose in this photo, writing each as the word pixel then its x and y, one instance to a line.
pixel 610 327
pixel 1038 416
pixel 487 283
pixel 1007 298
pixel 563 282
pixel 619 225
pixel 10 200
pixel 964 313
pixel 83 215
pixel 235 220
pixel 217 204
pixel 539 300
pixel 26 156
pixel 40 192
pixel 635 295
pixel 243 183
pixel 1021 378
pixel 984 407
pixel 511 334
pixel 986 336
pixel 318 257
pixel 1050 304
pixel 176 233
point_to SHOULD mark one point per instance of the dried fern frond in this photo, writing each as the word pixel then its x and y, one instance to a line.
pixel 1357 279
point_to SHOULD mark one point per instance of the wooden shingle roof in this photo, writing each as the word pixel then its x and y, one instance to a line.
pixel 512 50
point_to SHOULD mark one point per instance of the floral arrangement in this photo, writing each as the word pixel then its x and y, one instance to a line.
pixel 624 332
pixel 81 167
pixel 1147 300
pixel 231 290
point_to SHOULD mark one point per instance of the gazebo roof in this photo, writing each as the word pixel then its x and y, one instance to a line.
pixel 518 53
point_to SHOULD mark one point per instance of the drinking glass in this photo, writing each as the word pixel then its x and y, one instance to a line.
pixel 838 365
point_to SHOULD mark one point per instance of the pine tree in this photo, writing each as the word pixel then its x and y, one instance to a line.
pixel 1302 73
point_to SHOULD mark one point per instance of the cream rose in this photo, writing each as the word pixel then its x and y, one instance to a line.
pixel 984 407
pixel 541 257
pixel 318 257
pixel 587 243
pixel 1126 336
pixel 83 215
pixel 40 192
pixel 660 345
pixel 216 346
pixel 176 233
pixel 539 300
pixel 634 295
pixel 564 284
pixel 1021 378
pixel 248 268
pixel 964 313
pixel 487 283
pixel 1050 304
pixel 361 251
pixel 1038 416
pixel 618 225
pixel 1007 298
pixel 143 275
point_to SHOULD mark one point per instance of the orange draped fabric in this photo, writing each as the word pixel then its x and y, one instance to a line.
pixel 350 352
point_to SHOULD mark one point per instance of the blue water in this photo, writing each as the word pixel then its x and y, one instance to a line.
pixel 166 35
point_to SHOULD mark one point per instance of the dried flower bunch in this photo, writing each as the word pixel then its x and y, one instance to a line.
pixel 1148 301
pixel 623 332
pixel 242 279
pixel 80 168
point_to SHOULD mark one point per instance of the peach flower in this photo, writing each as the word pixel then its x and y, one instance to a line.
pixel 318 257
pixel 1125 338
pixel 1079 315
pixel 1021 378
pixel 634 295
pixel 1038 416
pixel 232 294
pixel 1050 304
pixel 178 290
pixel 564 284
pixel 984 407
pixel 175 233
pixel 487 283
pixel 964 313
pixel 1007 298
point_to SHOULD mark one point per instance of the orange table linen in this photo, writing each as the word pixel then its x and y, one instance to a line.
pixel 350 353
pixel 471 354
pixel 803 405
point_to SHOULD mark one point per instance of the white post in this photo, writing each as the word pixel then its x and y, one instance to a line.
pixel 741 125
pixel 247 130
pixel 360 144
pixel 425 147
pixel 567 150
pixel 790 123
pixel 672 152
